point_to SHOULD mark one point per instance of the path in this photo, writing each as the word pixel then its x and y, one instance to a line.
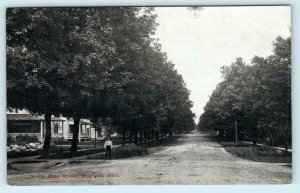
pixel 193 159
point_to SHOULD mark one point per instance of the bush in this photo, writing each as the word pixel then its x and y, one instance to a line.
pixel 15 151
pixel 25 139
pixel 128 151
pixel 57 139
pixel 9 140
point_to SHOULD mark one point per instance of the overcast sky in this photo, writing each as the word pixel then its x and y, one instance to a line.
pixel 199 44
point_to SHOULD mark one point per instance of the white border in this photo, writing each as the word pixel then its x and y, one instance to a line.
pixel 291 188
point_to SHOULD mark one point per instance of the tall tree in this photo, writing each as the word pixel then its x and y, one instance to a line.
pixel 95 62
pixel 258 96
pixel 38 59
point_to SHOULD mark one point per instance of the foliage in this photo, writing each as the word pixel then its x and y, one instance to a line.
pixel 257 96
pixel 95 63
pixel 128 151
pixel 22 139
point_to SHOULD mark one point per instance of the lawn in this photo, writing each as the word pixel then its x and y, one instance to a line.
pixel 260 154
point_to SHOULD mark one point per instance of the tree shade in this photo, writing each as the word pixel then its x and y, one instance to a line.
pixel 95 63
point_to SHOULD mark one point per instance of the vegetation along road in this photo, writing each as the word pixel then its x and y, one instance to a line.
pixel 192 159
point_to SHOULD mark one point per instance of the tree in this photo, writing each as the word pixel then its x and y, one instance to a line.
pixel 91 63
pixel 258 96
pixel 38 59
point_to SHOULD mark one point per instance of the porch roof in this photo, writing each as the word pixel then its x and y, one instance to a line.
pixel 29 117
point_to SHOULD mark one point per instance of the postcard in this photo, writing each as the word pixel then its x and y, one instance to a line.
pixel 197 95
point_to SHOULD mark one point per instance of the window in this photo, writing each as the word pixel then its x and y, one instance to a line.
pixel 88 128
pixel 83 129
pixel 23 126
pixel 57 126
pixel 71 128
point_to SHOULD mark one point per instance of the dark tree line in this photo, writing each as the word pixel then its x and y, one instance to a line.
pixel 95 63
pixel 257 96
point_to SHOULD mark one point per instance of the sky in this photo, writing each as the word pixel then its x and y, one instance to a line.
pixel 199 43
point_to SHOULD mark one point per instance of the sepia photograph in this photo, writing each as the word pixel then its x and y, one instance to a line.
pixel 110 95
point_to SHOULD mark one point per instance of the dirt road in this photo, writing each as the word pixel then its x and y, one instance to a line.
pixel 193 159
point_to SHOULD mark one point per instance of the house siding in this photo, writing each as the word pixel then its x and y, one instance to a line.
pixel 35 126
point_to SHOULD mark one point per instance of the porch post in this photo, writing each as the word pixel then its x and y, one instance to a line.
pixel 41 129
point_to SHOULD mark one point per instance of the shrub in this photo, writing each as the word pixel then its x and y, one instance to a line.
pixel 25 139
pixel 128 151
pixel 57 139
pixel 15 151
pixel 9 140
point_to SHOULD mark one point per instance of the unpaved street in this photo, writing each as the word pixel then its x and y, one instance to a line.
pixel 193 159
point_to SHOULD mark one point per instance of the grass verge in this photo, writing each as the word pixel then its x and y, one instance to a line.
pixel 260 154
pixel 254 153
pixel 129 150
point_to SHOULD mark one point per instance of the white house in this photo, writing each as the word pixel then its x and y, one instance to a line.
pixel 23 123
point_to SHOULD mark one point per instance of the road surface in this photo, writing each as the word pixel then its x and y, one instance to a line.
pixel 193 159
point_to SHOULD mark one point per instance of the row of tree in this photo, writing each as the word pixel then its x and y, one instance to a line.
pixel 256 96
pixel 94 63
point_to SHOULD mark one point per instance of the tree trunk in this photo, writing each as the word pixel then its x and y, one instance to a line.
pixel 140 137
pixel 123 139
pixel 75 135
pixel 153 136
pixel 135 137
pixel 130 138
pixel 271 140
pixel 145 137
pixel 47 140
pixel 157 136
pixel 221 134
pixel 255 136
pixel 254 141
pixel 148 136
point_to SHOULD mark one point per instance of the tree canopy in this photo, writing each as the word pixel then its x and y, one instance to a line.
pixel 91 63
pixel 258 96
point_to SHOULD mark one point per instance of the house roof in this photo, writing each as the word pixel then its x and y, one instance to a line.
pixel 82 121
pixel 29 117
pixel 85 121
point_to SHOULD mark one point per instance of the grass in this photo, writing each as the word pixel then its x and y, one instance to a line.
pixel 62 154
pixel 254 153
pixel 234 144
pixel 56 152
pixel 128 150
pixel 260 154
pixel 13 154
pixel 160 142
pixel 115 140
